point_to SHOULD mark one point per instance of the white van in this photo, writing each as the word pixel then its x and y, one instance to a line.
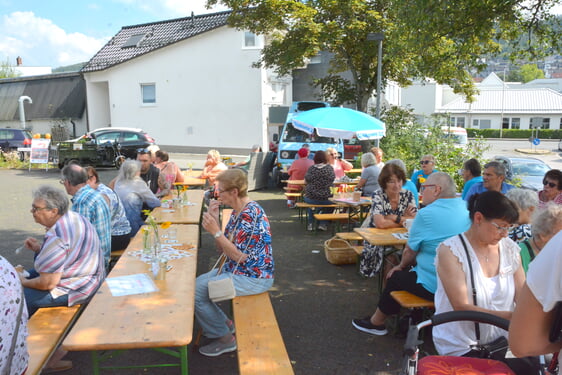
pixel 459 135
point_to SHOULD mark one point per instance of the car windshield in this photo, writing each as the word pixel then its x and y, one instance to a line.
pixel 294 135
pixel 529 168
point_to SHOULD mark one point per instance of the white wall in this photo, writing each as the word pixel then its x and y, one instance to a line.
pixel 423 98
pixel 97 100
pixel 207 93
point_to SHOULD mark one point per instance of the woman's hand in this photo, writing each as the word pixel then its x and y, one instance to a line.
pixel 32 243
pixel 392 270
pixel 210 223
pixel 213 210
pixel 410 211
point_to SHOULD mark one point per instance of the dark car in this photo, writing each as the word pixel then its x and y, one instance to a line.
pixel 11 139
pixel 530 171
pixel 129 139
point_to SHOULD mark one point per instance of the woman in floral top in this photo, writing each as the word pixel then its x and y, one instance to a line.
pixel 391 206
pixel 246 243
pixel 11 302
pixel 319 178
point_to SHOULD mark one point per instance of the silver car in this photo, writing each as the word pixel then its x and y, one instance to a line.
pixel 530 171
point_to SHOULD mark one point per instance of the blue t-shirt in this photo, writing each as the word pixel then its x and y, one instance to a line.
pixel 468 184
pixel 479 188
pixel 433 224
pixel 409 185
pixel 420 174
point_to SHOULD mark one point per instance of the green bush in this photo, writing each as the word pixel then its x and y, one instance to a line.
pixel 514 133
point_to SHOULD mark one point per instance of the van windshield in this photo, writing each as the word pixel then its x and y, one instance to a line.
pixel 294 135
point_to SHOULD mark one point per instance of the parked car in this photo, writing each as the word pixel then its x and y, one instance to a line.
pixel 530 171
pixel 129 139
pixel 11 139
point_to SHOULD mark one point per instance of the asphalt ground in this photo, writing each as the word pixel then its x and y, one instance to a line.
pixel 314 301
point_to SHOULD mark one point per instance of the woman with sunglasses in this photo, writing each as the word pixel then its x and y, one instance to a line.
pixel 339 165
pixel 552 191
pixel 479 270
pixel 427 164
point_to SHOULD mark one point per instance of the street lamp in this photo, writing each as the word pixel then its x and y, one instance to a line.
pixel 379 37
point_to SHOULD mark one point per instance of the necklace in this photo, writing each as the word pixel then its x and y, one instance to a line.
pixel 535 243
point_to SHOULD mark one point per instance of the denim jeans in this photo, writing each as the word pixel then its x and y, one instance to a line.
pixel 318 210
pixel 35 298
pixel 208 314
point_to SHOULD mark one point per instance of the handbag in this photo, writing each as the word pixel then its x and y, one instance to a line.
pixel 495 349
pixel 223 289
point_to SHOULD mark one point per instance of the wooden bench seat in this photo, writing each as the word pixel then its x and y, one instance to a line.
pixel 350 236
pixel 293 195
pixel 358 249
pixel 47 328
pixel 411 301
pixel 261 349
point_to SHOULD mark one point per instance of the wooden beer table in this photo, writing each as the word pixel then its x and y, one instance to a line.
pixel 382 237
pixel 190 214
pixel 161 320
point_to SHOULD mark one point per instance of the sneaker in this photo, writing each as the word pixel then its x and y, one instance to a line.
pixel 231 327
pixel 309 228
pixel 323 227
pixel 365 325
pixel 217 348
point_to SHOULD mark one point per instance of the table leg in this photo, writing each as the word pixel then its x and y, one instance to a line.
pixel 96 362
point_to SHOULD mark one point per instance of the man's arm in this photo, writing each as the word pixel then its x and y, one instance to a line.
pixel 408 260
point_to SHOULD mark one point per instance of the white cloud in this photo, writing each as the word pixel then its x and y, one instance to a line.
pixel 40 42
pixel 173 8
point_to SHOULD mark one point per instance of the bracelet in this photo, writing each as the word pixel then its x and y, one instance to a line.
pixel 398 218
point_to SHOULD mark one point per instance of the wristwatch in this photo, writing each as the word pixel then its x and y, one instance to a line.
pixel 218 234
pixel 398 218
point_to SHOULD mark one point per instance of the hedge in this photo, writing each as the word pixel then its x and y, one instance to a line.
pixel 514 133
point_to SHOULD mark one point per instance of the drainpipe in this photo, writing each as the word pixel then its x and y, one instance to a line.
pixel 21 110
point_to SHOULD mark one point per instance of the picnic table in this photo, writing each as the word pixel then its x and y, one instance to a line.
pixel 157 320
pixel 186 214
pixel 191 179
pixel 336 182
pixel 355 209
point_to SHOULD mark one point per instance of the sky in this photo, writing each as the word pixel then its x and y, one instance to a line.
pixel 64 32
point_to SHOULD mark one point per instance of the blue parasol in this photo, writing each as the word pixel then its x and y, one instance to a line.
pixel 339 122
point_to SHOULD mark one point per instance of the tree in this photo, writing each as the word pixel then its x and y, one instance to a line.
pixel 439 39
pixel 530 72
pixel 7 70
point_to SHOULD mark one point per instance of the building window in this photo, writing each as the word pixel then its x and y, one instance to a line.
pixel 458 121
pixel 505 123
pixel 482 124
pixel 250 39
pixel 515 123
pixel 148 91
pixel 539 123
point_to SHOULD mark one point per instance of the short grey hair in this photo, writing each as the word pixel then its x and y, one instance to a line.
pixel 448 186
pixel 546 219
pixel 399 163
pixel 368 159
pixel 498 166
pixel 129 170
pixel 53 197
pixel 523 198
pixel 74 174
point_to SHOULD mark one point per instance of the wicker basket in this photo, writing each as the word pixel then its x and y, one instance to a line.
pixel 339 251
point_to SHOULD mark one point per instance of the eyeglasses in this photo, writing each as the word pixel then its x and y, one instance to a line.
pixel 422 162
pixel 423 187
pixel 35 209
pixel 551 184
pixel 501 229
pixel 143 151
pixel 224 191
pixel 62 181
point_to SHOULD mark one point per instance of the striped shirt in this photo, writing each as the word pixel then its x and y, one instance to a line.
pixel 119 223
pixel 91 204
pixel 72 247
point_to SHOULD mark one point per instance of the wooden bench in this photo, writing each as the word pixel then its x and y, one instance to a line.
pixel 302 206
pixel 47 328
pixel 350 236
pixel 412 302
pixel 337 218
pixel 261 349
pixel 297 196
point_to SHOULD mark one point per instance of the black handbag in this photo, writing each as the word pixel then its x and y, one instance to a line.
pixel 495 349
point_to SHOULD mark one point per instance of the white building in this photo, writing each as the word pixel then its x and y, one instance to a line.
pixel 497 105
pixel 187 82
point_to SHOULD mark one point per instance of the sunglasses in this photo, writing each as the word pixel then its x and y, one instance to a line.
pixel 422 162
pixel 143 151
pixel 551 184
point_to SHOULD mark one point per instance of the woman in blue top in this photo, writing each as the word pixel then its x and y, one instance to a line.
pixel 246 243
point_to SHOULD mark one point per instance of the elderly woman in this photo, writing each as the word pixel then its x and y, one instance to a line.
pixel 369 181
pixel 339 165
pixel 479 270
pixel 13 322
pixel 526 201
pixel 120 227
pixel 297 171
pixel 377 151
pixel 552 191
pixel 246 244
pixel 169 171
pixel 213 166
pixel 408 184
pixel 134 193
pixel 69 265
pixel 392 205
pixel 427 164
pixel 545 224
pixel 319 178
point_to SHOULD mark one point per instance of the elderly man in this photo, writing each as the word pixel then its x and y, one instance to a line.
pixel 444 217
pixel 493 179
pixel 89 203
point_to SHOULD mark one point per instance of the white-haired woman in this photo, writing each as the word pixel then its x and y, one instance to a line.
pixel 526 201
pixel 369 181
pixel 134 193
